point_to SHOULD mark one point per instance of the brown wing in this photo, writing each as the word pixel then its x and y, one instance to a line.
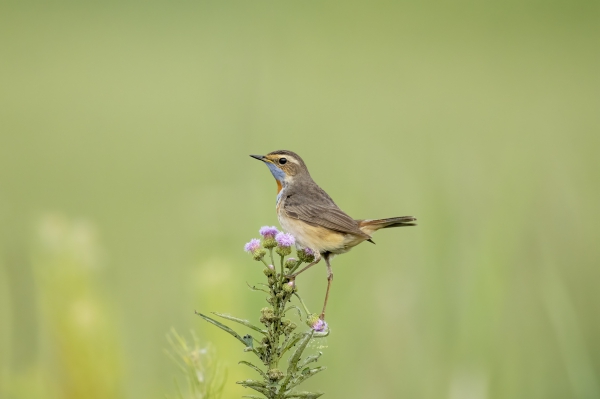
pixel 326 215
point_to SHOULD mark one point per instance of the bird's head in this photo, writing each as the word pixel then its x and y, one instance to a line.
pixel 286 166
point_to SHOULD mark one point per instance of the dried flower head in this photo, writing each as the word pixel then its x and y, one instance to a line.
pixel 275 375
pixel 320 325
pixel 316 323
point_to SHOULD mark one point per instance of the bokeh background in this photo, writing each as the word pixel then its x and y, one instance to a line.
pixel 127 193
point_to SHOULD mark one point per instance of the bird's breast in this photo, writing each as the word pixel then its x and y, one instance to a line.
pixel 279 201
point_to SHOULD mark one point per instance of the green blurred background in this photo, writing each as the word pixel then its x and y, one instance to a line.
pixel 127 193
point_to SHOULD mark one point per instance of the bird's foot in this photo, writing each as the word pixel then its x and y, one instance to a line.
pixel 322 316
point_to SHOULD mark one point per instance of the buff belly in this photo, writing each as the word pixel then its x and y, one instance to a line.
pixel 318 238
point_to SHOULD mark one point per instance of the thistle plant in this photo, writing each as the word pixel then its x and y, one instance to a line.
pixel 279 337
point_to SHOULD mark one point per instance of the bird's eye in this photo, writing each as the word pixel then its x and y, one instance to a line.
pixel 282 161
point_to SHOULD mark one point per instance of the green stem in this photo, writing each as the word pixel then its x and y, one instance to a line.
pixel 303 304
pixel 271 255
pixel 276 325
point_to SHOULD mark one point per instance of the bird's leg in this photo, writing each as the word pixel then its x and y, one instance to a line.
pixel 314 262
pixel 329 280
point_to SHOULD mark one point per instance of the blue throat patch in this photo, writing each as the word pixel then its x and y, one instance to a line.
pixel 276 172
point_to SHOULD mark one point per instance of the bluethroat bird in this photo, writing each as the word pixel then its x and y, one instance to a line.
pixel 307 212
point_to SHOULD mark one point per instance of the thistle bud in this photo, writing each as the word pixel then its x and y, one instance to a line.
pixel 269 271
pixel 266 310
pixel 283 251
pixel 275 375
pixel 259 254
pixel 268 315
pixel 306 255
pixel 269 243
pixel 289 287
pixel 290 263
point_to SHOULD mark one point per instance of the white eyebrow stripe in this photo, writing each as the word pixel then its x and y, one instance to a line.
pixel 290 158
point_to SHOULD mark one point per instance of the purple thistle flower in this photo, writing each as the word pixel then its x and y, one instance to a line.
pixel 252 246
pixel 285 240
pixel 268 232
pixel 309 251
pixel 319 325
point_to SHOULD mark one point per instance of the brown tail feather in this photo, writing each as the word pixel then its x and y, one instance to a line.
pixel 372 225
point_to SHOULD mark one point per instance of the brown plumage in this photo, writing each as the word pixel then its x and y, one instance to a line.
pixel 307 212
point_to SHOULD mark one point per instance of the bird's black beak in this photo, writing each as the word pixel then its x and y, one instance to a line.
pixel 259 157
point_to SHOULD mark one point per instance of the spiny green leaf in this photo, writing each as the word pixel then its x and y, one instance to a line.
pixel 230 331
pixel 305 376
pixel 293 362
pixel 252 383
pixel 310 359
pixel 253 288
pixel 262 373
pixel 264 391
pixel 222 327
pixel 304 395
pixel 291 341
pixel 241 321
